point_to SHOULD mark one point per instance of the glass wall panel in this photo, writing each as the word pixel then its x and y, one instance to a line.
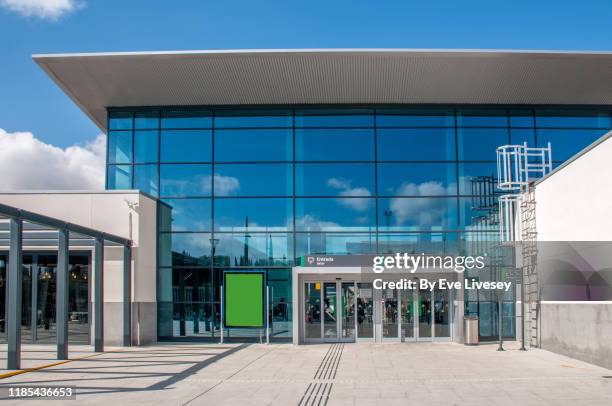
pixel 253 145
pixel 526 120
pixel 334 145
pixel 335 214
pixel 335 243
pixel 185 249
pixel 119 177
pixel 253 249
pixel 601 120
pixel 312 310
pixel 186 119
pixel 332 118
pixel 419 213
pixel 193 310
pixel 3 263
pixel 237 119
pixel 477 144
pixel 400 118
pixel 146 120
pixel 119 147
pixel 146 146
pixel 417 179
pixel 476 178
pixel 254 214
pixel 253 179
pixel 431 144
pixel 146 179
pixel 473 217
pixel 521 135
pixel 186 145
pixel 482 119
pixel 315 179
pixel 567 143
pixel 432 242
pixel 120 120
pixel 186 215
pixel 185 180
pixel 281 303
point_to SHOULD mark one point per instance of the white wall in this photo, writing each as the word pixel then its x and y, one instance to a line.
pixel 575 203
pixel 108 211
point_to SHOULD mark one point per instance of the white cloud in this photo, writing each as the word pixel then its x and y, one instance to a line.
pixel 225 185
pixel 45 9
pixel 357 197
pixel 26 163
pixel 423 212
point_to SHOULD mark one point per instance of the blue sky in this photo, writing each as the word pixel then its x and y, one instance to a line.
pixel 31 102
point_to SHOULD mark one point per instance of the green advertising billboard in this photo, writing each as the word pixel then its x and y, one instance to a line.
pixel 244 299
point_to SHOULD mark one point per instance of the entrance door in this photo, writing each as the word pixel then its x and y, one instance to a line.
pixel 330 313
pixel 434 315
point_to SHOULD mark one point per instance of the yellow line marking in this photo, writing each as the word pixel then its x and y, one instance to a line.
pixel 23 371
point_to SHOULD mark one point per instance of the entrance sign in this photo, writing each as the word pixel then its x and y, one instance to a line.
pixel 244 299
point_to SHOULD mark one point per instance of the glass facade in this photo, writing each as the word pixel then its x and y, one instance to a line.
pixel 257 188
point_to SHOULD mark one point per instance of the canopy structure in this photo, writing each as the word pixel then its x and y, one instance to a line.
pixel 329 76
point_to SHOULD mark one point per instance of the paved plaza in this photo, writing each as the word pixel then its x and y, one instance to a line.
pixel 326 374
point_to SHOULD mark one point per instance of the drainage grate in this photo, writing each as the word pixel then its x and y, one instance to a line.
pixel 317 392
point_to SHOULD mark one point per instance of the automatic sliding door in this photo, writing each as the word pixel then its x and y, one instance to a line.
pixel 330 311
pixel 407 315
pixel 424 315
pixel 441 313
pixel 365 311
pixel 390 322
pixel 348 311
pixel 312 311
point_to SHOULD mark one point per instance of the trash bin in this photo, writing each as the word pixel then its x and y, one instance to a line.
pixel 470 330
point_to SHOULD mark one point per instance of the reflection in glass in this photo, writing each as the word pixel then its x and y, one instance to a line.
pixel 186 146
pixel 335 214
pixel 477 218
pixel 251 249
pixel 146 179
pixel 431 144
pixel 417 179
pixel 407 312
pixel 334 243
pixel 193 312
pixel 601 120
pixel 567 143
pixel 186 215
pixel 119 147
pixel 120 120
pixel 519 136
pixel 417 214
pixel 184 249
pixel 253 145
pixel 365 311
pixel 334 179
pixel 390 313
pixel 255 214
pixel 119 177
pixel 479 144
pixel 312 310
pixel 185 180
pixel 348 310
pixel 146 146
pixel 476 178
pixel 332 145
pixel 253 179
pixel 330 311
pixel 484 119
pixel 433 242
pixel 442 313
pixel 424 308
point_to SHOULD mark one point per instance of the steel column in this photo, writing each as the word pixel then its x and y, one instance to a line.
pixel 98 295
pixel 127 296
pixel 61 295
pixel 13 293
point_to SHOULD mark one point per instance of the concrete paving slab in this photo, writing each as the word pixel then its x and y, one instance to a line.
pixel 326 374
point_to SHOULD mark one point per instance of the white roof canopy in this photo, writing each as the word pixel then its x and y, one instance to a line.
pixel 334 76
